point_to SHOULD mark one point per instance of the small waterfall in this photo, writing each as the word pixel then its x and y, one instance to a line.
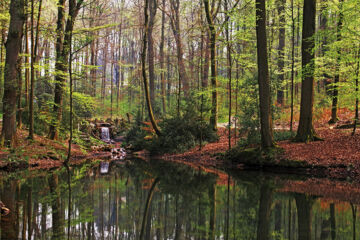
pixel 104 167
pixel 105 134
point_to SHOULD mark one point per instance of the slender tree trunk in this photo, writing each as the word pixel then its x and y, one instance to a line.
pixel 151 57
pixel 104 66
pixel 281 12
pixel 175 25
pixel 263 78
pixel 162 44
pixel 27 62
pixel 229 63
pixel 93 56
pixel 34 46
pixel 143 61
pixel 356 119
pixel 213 64
pixel 306 131
pixel 292 66
pixel 13 46
pixel 62 55
pixel 337 67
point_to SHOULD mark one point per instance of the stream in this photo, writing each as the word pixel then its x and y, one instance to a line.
pixel 161 200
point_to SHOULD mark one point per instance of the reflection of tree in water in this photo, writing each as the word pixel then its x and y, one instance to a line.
pixel 187 203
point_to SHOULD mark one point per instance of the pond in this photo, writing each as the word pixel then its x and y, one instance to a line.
pixel 161 200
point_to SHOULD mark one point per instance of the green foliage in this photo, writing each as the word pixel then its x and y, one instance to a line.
pixel 183 132
pixel 84 105
pixel 135 137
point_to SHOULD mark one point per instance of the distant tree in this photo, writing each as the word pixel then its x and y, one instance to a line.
pixel 175 26
pixel 335 96
pixel 281 12
pixel 13 46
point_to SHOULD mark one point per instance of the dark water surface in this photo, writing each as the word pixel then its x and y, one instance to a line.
pixel 159 200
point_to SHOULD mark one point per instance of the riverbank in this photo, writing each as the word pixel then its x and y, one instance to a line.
pixel 338 156
pixel 43 153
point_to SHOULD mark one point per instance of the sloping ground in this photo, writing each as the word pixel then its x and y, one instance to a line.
pixel 41 153
pixel 338 147
pixel 207 155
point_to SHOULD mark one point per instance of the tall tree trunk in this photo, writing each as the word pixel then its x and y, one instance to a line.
pixel 356 119
pixel 13 46
pixel 104 68
pixel 175 25
pixel 143 61
pixel 34 47
pixel 263 78
pixel 281 12
pixel 27 72
pixel 210 16
pixel 306 131
pixel 162 58
pixel 62 55
pixel 229 63
pixel 151 57
pixel 337 67
pixel 93 56
pixel 292 66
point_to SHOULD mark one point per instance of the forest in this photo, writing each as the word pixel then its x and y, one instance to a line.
pixel 164 114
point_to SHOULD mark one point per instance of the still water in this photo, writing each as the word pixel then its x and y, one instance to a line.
pixel 160 200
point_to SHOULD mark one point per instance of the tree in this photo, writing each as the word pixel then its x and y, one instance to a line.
pixel 143 61
pixel 263 76
pixel 175 26
pixel 337 68
pixel 62 55
pixel 306 131
pixel 151 58
pixel 13 46
pixel 162 44
pixel 34 47
pixel 210 17
pixel 281 12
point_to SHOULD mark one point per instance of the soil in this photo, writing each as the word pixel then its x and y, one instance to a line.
pixel 42 153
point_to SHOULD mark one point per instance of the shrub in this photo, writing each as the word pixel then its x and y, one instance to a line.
pixel 180 133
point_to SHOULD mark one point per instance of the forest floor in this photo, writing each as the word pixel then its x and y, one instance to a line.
pixel 42 153
pixel 339 152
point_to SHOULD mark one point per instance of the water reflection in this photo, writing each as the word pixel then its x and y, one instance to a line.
pixel 159 200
